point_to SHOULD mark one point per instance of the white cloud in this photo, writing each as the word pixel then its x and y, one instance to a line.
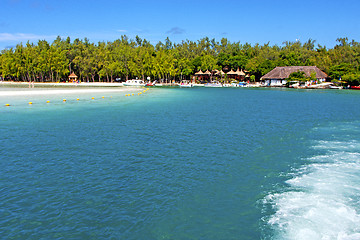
pixel 121 30
pixel 23 36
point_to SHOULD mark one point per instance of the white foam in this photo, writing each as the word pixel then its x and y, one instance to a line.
pixel 324 197
pixel 338 145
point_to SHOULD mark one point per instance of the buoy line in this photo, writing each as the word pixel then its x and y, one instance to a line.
pixel 139 93
pixel 92 98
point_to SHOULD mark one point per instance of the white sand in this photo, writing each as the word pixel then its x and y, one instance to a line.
pixel 71 88
pixel 32 92
pixel 55 84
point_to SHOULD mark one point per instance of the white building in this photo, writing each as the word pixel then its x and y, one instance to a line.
pixel 279 75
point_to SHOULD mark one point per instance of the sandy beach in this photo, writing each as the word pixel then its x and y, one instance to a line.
pixel 45 91
pixel 22 89
pixel 60 84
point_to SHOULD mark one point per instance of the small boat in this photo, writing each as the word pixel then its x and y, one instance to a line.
pixel 335 87
pixel 185 83
pixel 355 87
pixel 325 85
pixel 319 86
pixel 234 84
pixel 134 82
pixel 243 84
pixel 151 84
pixel 213 84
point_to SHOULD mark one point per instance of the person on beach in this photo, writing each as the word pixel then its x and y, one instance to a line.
pixel 32 84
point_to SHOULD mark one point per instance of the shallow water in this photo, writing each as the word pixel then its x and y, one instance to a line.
pixel 182 164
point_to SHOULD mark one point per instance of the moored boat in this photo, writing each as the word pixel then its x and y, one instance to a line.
pixel 243 84
pixel 151 84
pixel 213 84
pixel 185 83
pixel 335 87
pixel 325 85
pixel 134 82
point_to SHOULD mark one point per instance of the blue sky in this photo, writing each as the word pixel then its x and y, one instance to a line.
pixel 256 21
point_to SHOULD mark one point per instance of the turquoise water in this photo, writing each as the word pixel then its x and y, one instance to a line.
pixel 182 164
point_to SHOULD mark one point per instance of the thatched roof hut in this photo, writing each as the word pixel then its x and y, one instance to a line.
pixel 218 73
pixel 199 73
pixel 73 77
pixel 240 72
pixel 284 72
pixel 238 75
pixel 231 72
pixel 207 72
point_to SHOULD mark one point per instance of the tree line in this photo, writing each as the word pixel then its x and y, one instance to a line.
pixel 127 58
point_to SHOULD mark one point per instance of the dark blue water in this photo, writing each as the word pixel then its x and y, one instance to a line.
pixel 182 164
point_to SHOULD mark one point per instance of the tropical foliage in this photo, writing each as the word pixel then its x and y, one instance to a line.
pixel 126 58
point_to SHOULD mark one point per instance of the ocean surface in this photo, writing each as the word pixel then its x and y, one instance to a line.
pixel 196 163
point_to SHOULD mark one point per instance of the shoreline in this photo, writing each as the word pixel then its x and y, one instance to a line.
pixel 32 92
pixel 117 86
pixel 61 84
pixel 22 89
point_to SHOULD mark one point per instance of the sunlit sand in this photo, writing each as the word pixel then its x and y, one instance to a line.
pixel 62 88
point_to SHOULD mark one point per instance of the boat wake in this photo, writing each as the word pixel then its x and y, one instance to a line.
pixel 323 198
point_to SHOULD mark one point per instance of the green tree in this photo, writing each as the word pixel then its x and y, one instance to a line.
pixel 297 76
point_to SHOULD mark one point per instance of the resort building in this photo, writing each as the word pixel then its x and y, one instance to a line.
pixel 238 75
pixel 203 76
pixel 279 75
pixel 216 74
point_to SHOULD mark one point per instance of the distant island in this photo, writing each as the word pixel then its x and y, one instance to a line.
pixel 166 61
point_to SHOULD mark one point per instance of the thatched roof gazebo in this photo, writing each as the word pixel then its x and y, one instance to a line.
pixel 207 72
pixel 218 73
pixel 240 72
pixel 238 75
pixel 199 73
pixel 73 77
pixel 231 72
